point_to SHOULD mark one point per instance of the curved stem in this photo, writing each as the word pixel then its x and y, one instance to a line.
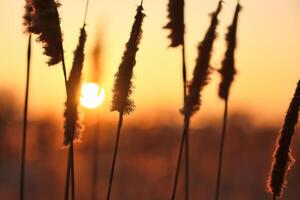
pixel 86 11
pixel 221 151
pixel 72 170
pixel 68 176
pixel 187 156
pixel 183 137
pixel 115 155
pixel 23 154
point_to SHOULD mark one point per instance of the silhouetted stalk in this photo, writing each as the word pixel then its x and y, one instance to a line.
pixel 282 156
pixel 182 142
pixel 71 164
pixel 122 89
pixel 199 81
pixel 187 168
pixel 274 197
pixel 23 154
pixel 221 150
pixel 115 155
pixel 227 72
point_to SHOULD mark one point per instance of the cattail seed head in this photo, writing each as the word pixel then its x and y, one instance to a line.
pixel 228 69
pixel 282 157
pixel 72 124
pixel 27 17
pixel 45 22
pixel 201 71
pixel 176 23
pixel 122 89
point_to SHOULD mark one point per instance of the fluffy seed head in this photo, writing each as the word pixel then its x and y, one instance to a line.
pixel 176 23
pixel 45 22
pixel 282 157
pixel 228 69
pixel 201 71
pixel 72 123
pixel 123 85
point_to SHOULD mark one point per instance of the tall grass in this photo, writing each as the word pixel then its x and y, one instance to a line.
pixel 72 124
pixel 282 157
pixel 122 89
pixel 227 73
pixel 27 22
pixel 41 18
pixel 199 81
pixel 177 28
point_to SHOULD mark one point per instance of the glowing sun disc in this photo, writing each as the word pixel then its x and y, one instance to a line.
pixel 92 95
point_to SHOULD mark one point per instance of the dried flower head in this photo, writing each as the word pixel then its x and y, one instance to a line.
pixel 123 86
pixel 45 22
pixel 72 124
pixel 228 69
pixel 201 71
pixel 282 157
pixel 176 23
pixel 27 17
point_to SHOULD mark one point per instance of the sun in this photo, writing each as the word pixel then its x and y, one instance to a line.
pixel 92 96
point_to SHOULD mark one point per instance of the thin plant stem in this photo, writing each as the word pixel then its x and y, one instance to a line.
pixel 115 155
pixel 274 197
pixel 72 170
pixel 23 154
pixel 187 135
pixel 183 137
pixel 70 165
pixel 68 177
pixel 221 150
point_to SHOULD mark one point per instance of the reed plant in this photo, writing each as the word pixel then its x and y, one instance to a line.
pixel 72 125
pixel 41 18
pixel 121 101
pixel 27 22
pixel 199 81
pixel 177 30
pixel 282 156
pixel 227 72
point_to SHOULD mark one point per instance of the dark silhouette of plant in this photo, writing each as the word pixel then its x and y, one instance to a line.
pixel 122 89
pixel 227 73
pixel 176 26
pixel 72 124
pixel 282 157
pixel 200 79
pixel 27 22
pixel 27 17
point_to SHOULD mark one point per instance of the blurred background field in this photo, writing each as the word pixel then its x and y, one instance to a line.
pixel 147 157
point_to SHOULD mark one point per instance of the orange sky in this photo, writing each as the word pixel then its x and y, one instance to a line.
pixel 267 57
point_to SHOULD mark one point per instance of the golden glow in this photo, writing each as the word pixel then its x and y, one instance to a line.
pixel 92 95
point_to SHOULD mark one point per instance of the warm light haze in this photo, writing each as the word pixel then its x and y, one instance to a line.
pixel 267 57
pixel 92 95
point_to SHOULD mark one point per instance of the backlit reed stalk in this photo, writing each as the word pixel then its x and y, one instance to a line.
pixel 227 72
pixel 122 89
pixel 177 28
pixel 45 23
pixel 72 124
pixel 282 157
pixel 27 22
pixel 200 79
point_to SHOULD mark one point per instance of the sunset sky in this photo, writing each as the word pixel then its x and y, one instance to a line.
pixel 267 57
